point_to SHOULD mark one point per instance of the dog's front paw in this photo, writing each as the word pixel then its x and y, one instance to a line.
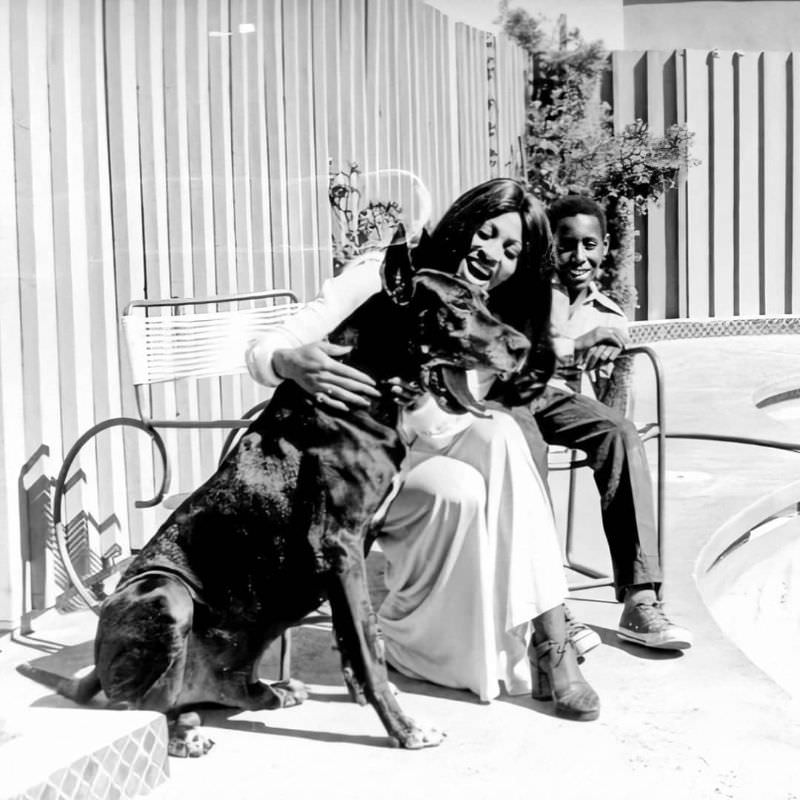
pixel 414 737
pixel 185 740
pixel 290 692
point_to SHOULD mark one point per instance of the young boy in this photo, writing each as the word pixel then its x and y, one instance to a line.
pixel 589 332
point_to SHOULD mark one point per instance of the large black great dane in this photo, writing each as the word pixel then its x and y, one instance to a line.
pixel 285 523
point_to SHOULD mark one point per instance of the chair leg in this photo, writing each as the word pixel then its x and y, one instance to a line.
pixel 597 577
pixel 286 655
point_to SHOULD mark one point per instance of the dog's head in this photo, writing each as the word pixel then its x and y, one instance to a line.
pixel 452 329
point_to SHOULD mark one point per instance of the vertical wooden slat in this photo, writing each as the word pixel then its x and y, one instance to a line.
pixel 41 385
pixel 480 156
pixel 220 38
pixel 404 122
pixel 387 108
pixel 773 182
pixel 245 163
pixel 465 127
pixel 656 304
pixel 392 90
pixel 103 311
pixel 325 20
pixel 198 124
pixel 500 98
pixel 722 189
pixel 346 94
pixel 301 166
pixel 746 177
pixel 629 90
pixel 152 153
pixel 272 38
pixel 242 51
pixel 259 185
pixel 697 199
pixel 418 105
pixel 622 66
pixel 329 61
pixel 14 575
pixel 482 103
pixel 354 48
pixel 793 262
pixel 70 261
pixel 682 201
pixel 451 143
pixel 179 229
pixel 672 219
pixel 219 81
pixel 195 60
pixel 126 206
pixel 445 149
pixel 438 82
pixel 373 152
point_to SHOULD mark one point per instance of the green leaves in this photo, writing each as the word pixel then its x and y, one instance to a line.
pixel 571 146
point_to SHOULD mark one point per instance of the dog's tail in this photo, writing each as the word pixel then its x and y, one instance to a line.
pixel 79 690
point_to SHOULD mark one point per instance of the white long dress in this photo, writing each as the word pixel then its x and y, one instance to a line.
pixel 470 543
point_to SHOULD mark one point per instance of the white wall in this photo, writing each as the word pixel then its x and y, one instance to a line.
pixel 749 25
pixel 597 19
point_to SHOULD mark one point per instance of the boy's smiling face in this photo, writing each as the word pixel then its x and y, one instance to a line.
pixel 580 250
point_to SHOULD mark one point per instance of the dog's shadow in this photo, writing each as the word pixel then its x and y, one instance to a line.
pixel 226 719
pixel 68 661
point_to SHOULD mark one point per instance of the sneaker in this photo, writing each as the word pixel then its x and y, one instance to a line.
pixel 648 625
pixel 583 638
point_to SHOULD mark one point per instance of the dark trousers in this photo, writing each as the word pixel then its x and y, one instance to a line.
pixel 618 460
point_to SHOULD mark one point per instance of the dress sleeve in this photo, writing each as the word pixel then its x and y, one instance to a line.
pixel 339 297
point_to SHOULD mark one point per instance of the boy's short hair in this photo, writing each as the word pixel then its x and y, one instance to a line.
pixel 574 204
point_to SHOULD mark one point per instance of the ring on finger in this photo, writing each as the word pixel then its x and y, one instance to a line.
pixel 320 397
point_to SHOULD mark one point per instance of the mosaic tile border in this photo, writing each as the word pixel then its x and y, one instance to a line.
pixel 131 766
pixel 666 329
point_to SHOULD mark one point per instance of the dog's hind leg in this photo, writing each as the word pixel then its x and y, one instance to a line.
pixel 363 662
pixel 79 690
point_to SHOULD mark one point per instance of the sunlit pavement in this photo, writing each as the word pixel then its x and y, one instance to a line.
pixel 706 723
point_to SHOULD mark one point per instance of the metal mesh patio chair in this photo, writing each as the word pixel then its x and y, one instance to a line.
pixel 575 460
pixel 169 341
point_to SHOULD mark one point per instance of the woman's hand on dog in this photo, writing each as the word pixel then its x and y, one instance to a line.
pixel 406 395
pixel 314 367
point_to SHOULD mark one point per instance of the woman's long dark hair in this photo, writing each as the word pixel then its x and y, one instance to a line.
pixel 524 300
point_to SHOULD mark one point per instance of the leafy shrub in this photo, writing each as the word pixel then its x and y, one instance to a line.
pixel 572 148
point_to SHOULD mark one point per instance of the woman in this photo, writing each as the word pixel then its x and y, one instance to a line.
pixel 471 550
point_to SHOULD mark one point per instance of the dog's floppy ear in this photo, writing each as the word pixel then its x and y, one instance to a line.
pixel 397 270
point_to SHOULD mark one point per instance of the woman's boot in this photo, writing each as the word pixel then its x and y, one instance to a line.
pixel 554 669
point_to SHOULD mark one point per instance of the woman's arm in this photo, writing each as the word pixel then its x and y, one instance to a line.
pixel 294 350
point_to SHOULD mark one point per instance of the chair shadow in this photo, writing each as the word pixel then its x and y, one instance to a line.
pixel 35 643
pixel 66 660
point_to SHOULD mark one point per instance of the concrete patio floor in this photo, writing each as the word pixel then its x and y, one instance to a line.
pixel 706 723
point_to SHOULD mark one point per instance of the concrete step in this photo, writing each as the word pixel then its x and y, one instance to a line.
pixel 91 754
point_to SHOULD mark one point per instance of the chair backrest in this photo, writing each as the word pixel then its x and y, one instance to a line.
pixel 169 340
